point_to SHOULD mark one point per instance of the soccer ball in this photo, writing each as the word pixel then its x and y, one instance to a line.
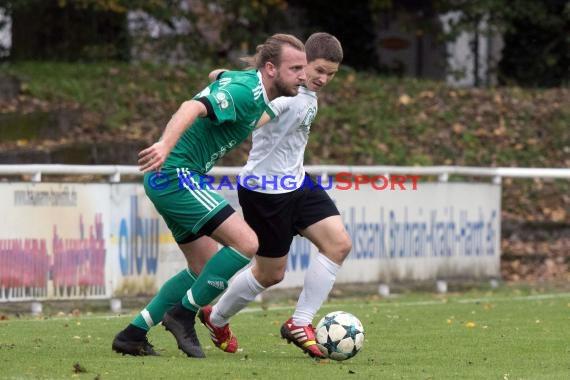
pixel 340 335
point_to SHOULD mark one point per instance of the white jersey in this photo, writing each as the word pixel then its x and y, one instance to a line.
pixel 275 163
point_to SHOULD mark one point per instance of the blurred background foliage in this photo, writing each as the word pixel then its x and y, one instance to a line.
pixel 536 33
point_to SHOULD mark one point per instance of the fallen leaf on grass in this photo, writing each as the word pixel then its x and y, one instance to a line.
pixel 78 368
pixel 404 100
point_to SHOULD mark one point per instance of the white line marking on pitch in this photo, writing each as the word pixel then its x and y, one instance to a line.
pixel 533 297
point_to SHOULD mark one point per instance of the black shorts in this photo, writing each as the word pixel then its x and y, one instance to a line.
pixel 210 225
pixel 277 218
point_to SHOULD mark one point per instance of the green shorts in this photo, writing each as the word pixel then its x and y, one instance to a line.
pixel 184 201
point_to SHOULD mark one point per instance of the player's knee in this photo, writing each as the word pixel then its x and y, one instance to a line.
pixel 271 278
pixel 338 251
pixel 345 246
pixel 269 272
pixel 248 245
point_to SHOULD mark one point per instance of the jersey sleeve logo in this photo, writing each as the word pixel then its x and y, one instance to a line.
pixel 222 100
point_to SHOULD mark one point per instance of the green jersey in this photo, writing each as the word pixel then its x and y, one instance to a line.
pixel 237 100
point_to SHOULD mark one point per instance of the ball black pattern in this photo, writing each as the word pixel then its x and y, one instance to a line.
pixel 340 335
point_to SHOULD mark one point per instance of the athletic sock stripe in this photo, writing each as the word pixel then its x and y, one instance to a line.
pixel 191 299
pixel 191 274
pixel 147 318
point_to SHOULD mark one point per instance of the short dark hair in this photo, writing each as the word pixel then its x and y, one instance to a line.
pixel 323 45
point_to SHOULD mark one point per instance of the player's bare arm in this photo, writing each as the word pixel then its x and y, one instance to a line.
pixel 263 120
pixel 214 74
pixel 154 156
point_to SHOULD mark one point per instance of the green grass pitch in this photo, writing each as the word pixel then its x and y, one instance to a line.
pixel 505 334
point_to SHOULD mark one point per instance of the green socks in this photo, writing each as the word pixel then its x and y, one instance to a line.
pixel 169 295
pixel 201 289
pixel 213 279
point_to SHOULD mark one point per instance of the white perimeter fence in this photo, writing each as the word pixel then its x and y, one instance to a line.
pixel 76 239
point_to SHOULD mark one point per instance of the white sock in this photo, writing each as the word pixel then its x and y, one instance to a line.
pixel 243 289
pixel 319 281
